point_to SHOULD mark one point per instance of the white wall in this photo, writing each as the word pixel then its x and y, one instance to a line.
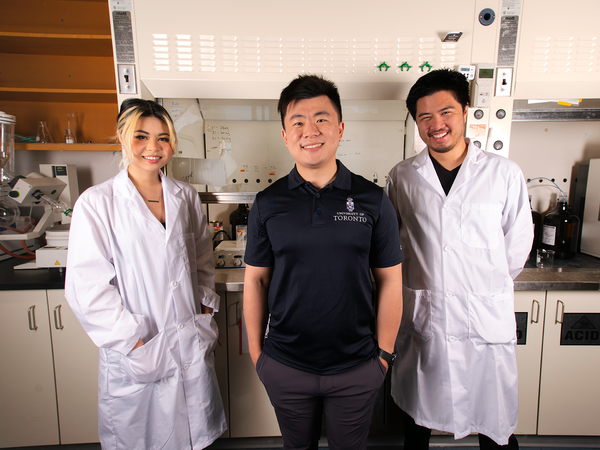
pixel 93 167
pixel 542 149
pixel 553 150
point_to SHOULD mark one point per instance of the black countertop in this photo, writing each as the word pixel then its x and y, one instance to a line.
pixel 579 273
pixel 15 280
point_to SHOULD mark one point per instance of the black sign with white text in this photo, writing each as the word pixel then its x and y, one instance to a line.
pixel 580 329
pixel 521 318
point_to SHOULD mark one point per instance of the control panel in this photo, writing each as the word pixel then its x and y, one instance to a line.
pixel 229 255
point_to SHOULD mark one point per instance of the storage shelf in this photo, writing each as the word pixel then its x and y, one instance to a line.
pixel 56 96
pixel 69 147
pixel 55 44
pixel 58 59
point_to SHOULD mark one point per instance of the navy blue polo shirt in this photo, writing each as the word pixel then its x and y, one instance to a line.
pixel 321 244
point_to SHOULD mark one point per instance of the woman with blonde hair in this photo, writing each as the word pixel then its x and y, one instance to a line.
pixel 140 279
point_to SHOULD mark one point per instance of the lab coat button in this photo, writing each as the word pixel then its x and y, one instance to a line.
pixel 186 367
pixel 173 284
pixel 447 248
pixel 181 326
pixel 449 294
pixel 451 338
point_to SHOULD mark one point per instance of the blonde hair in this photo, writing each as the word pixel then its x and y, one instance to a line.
pixel 131 111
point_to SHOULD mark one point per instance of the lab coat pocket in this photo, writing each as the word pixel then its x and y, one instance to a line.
pixel 150 362
pixel 188 251
pixel 492 319
pixel 208 332
pixel 416 313
pixel 480 225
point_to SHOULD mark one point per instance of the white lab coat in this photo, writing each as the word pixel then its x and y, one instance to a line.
pixel 128 278
pixel 456 369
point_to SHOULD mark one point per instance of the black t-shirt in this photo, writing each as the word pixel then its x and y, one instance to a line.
pixel 446 176
pixel 321 245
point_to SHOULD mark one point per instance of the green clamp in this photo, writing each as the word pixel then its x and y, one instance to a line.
pixel 383 65
pixel 405 64
pixel 425 64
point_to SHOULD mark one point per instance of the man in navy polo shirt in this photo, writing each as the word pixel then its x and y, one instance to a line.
pixel 314 237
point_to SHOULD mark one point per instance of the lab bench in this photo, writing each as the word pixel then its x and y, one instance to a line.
pixel 49 381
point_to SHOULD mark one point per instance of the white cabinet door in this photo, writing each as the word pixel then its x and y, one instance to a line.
pixel 27 392
pixel 221 357
pixel 569 389
pixel 76 369
pixel 250 411
pixel 529 308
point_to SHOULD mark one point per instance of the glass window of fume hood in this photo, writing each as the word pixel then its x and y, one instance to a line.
pixel 236 145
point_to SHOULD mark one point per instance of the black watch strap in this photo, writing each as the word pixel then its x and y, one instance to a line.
pixel 386 356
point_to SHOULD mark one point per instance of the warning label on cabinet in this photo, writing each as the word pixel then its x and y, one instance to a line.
pixel 580 329
pixel 521 318
pixel 123 37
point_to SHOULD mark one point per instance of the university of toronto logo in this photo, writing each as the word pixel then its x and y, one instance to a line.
pixel 350 215
pixel 350 204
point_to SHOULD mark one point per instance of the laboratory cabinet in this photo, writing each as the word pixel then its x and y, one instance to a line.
pixel 529 312
pixel 28 414
pixel 569 388
pixel 76 371
pixel 250 411
pixel 49 381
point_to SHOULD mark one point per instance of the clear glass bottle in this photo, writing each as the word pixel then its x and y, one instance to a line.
pixel 561 231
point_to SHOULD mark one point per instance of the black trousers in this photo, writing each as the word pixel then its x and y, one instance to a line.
pixel 302 399
pixel 417 437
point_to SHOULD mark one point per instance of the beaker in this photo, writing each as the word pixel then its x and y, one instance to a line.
pixel 43 135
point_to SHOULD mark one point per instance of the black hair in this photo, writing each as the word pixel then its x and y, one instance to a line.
pixel 305 87
pixel 146 108
pixel 435 81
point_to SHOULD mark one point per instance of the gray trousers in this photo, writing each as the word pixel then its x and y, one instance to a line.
pixel 302 399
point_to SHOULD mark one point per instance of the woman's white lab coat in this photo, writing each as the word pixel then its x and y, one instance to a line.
pixel 129 278
pixel 456 369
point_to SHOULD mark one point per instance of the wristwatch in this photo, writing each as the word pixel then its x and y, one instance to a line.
pixel 386 356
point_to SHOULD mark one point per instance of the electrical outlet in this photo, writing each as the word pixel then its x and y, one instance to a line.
pixel 126 79
pixel 503 82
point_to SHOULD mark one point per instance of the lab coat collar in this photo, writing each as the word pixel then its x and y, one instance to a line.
pixel 343 178
pixel 469 168
pixel 124 187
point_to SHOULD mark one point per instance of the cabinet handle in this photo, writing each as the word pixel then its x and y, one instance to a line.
pixel 232 318
pixel 559 306
pixel 58 318
pixel 535 306
pixel 31 317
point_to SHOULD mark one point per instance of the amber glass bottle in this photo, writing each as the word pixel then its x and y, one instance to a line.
pixel 238 217
pixel 537 228
pixel 561 231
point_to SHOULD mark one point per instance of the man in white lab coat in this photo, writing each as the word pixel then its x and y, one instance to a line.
pixel 466 229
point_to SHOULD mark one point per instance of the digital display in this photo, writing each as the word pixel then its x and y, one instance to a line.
pixel 486 73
